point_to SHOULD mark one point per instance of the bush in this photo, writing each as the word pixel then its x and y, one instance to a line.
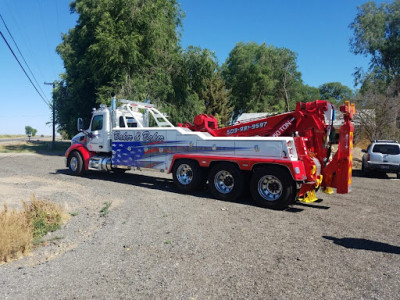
pixel 15 234
pixel 18 229
pixel 45 216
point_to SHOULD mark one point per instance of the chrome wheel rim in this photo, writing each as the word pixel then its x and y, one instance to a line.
pixel 270 188
pixel 224 182
pixel 184 174
pixel 73 164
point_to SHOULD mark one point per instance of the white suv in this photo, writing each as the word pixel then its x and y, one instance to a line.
pixel 382 156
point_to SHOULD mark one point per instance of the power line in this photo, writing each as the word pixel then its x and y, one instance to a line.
pixel 9 47
pixel 15 43
pixel 22 35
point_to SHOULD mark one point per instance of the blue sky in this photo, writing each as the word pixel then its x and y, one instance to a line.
pixel 317 30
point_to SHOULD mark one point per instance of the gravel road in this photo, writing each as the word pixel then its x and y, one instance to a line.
pixel 159 243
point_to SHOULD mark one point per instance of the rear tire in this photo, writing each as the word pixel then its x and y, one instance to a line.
pixel 365 171
pixel 272 187
pixel 75 164
pixel 226 181
pixel 187 174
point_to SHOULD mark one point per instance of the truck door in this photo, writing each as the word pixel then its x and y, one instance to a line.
pixel 98 131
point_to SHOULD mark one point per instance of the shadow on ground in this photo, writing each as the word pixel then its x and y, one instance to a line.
pixel 364 244
pixel 151 182
pixel 38 147
pixel 375 175
pixel 167 185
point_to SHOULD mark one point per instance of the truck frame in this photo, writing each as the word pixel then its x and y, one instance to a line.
pixel 281 158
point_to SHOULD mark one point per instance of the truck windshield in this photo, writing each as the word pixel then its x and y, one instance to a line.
pixel 387 149
pixel 97 123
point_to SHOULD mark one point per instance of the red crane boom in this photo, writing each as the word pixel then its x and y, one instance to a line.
pixel 311 124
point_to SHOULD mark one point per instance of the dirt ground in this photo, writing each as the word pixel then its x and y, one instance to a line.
pixel 157 242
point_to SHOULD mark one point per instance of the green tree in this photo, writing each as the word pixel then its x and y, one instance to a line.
pixel 127 46
pixel 377 111
pixel 376 34
pixel 289 81
pixel 309 93
pixel 216 98
pixel 261 78
pixel 29 131
pixel 193 69
pixel 198 66
pixel 335 92
pixel 67 110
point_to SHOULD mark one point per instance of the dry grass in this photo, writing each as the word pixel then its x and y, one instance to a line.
pixel 39 147
pixel 20 229
pixel 15 234
pixel 363 144
pixel 12 136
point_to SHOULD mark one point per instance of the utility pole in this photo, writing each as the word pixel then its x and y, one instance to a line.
pixel 53 144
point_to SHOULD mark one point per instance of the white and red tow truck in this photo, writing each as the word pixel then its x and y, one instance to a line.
pixel 281 158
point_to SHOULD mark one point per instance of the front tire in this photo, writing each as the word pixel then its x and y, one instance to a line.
pixel 75 164
pixel 272 187
pixel 187 175
pixel 226 181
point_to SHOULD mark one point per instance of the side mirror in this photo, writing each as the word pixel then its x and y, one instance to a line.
pixel 363 150
pixel 79 124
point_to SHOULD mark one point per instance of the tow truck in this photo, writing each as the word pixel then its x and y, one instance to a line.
pixel 280 158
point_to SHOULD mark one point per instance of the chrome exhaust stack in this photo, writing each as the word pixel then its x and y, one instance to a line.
pixel 113 109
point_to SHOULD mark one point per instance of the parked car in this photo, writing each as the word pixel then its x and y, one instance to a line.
pixel 382 156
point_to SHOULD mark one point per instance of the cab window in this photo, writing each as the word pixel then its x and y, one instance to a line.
pixel 97 123
pixel 121 121
pixel 131 122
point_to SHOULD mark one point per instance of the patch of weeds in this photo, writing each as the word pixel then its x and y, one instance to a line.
pixel 45 216
pixel 165 215
pixel 168 242
pixel 37 241
pixel 106 209
pixel 20 230
pixel 73 214
pixel 15 234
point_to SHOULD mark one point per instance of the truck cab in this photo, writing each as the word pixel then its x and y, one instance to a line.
pixel 97 138
pixel 99 131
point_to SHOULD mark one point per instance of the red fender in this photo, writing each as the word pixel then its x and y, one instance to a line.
pixel 86 154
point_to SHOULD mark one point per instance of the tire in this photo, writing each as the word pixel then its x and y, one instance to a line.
pixel 75 164
pixel 364 170
pixel 226 181
pixel 272 187
pixel 188 175
pixel 398 175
